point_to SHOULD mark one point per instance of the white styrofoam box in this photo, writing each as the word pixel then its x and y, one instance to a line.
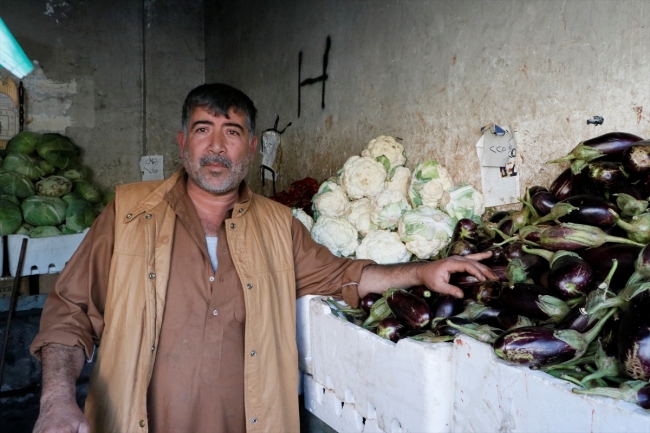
pixel 340 415
pixel 404 386
pixel 303 334
pixel 42 255
pixel 497 396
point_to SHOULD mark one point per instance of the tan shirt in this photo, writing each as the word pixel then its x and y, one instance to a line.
pixel 197 382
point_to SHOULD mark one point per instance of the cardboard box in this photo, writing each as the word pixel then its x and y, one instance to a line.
pixel 7 284
pixel 46 283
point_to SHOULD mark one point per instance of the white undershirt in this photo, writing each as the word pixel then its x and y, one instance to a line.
pixel 211 241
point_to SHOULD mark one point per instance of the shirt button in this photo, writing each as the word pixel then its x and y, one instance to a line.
pixel 129 216
pixel 141 423
pixel 215 312
pixel 241 210
pixel 211 278
pixel 253 353
pixel 249 286
pixel 232 225
pixel 254 420
pixel 152 275
pixel 152 348
pixel 148 216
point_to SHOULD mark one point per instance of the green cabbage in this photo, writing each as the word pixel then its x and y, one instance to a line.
pixel 10 217
pixel 87 191
pixel 44 232
pixel 16 185
pixel 23 142
pixel 53 186
pixel 79 216
pixel 75 172
pixel 11 198
pixel 22 164
pixel 47 168
pixel 43 211
pixel 24 229
pixel 57 149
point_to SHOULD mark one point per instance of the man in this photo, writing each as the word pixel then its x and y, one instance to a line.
pixel 190 285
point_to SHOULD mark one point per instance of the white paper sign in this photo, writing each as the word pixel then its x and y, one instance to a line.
pixel 499 145
pixel 151 167
pixel 269 149
pixel 500 184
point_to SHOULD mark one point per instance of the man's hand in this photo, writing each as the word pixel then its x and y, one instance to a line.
pixel 435 275
pixel 61 418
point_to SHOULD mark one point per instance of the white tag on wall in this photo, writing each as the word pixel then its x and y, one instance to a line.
pixel 151 167
pixel 269 150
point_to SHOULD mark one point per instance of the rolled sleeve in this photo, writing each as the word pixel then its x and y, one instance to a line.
pixel 73 314
pixel 319 272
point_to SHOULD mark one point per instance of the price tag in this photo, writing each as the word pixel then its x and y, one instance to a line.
pixel 151 167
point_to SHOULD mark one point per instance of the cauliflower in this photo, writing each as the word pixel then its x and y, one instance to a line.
pixel 337 234
pixel 429 181
pixel 463 202
pixel 425 231
pixel 383 247
pixel 362 177
pixel 399 179
pixel 387 208
pixel 303 217
pixel 385 150
pixel 331 200
pixel 359 216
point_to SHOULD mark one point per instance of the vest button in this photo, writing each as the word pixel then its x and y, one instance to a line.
pixel 232 225
pixel 152 275
pixel 253 353
pixel 241 210
pixel 148 216
pixel 129 216
pixel 249 286
pixel 254 420
pixel 141 423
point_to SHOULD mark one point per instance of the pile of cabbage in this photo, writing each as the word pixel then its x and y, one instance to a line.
pixel 44 190
pixel 376 208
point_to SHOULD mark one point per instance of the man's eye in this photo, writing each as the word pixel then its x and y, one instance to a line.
pixel 233 132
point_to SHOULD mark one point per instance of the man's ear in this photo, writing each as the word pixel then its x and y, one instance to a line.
pixel 180 137
pixel 253 146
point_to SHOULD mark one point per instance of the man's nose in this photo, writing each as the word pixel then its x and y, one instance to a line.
pixel 218 143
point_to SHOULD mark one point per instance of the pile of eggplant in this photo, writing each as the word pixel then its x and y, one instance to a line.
pixel 573 295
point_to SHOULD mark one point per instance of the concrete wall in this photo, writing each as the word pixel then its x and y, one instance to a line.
pixel 111 75
pixel 433 72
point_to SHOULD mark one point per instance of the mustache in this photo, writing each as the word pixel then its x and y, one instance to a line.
pixel 225 161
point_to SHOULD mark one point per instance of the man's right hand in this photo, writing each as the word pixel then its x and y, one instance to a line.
pixel 61 418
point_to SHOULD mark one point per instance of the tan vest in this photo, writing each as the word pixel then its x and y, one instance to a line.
pixel 259 238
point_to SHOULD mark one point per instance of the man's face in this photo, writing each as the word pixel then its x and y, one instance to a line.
pixel 217 150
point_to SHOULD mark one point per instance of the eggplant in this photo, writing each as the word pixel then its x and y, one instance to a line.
pixel 581 183
pixel 607 175
pixel 378 312
pixel 641 266
pixel 606 366
pixel 572 237
pixel 486 244
pixel 500 271
pixel 543 202
pixel 570 276
pixel 636 158
pixel 637 391
pixel 443 328
pixel 558 211
pixel 368 301
pixel 635 190
pixel 461 247
pixel 562 185
pixel 498 216
pixel 637 228
pixel 600 259
pixel 422 292
pixel 411 310
pixel 465 229
pixel 612 143
pixel 535 189
pixel 446 306
pixel 508 321
pixel 537 346
pixel 532 301
pixel 577 319
pixel 497 257
pixel 485 293
pixel 629 205
pixel 513 251
pixel 484 333
pixel 390 328
pixel 528 267
pixel 634 337
pixel 506 227
pixel 592 210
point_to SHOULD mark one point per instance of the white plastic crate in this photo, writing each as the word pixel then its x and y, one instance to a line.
pixel 42 255
pixel 303 337
pixel 403 387
pixel 492 395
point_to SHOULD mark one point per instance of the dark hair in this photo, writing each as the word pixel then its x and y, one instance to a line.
pixel 218 99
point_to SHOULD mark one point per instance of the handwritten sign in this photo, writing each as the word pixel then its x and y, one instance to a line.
pixel 151 167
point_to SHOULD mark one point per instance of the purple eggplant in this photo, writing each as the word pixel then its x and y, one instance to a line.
pixel 378 312
pixel 636 158
pixel 461 247
pixel 515 250
pixel 629 205
pixel 411 310
pixel 600 259
pixel 497 257
pixel 562 185
pixel 532 301
pixel 538 346
pixel 592 210
pixel 570 276
pixel 634 337
pixel 558 211
pixel 465 229
pixel 390 328
pixel 484 333
pixel 635 190
pixel 607 175
pixel 637 228
pixel 528 267
pixel 486 293
pixel 423 292
pixel 535 189
pixel 442 327
pixel 543 202
pixel 508 321
pixel 446 306
pixel 577 319
pixel 500 271
pixel 368 300
pixel 607 144
pixel 498 216
pixel 637 391
pixel 572 237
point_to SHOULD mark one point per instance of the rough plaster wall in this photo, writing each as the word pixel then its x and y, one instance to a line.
pixel 433 73
pixel 88 84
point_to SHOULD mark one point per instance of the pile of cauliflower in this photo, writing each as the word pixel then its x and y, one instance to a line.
pixel 376 208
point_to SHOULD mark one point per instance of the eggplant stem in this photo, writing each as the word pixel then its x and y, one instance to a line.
pixel 571 379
